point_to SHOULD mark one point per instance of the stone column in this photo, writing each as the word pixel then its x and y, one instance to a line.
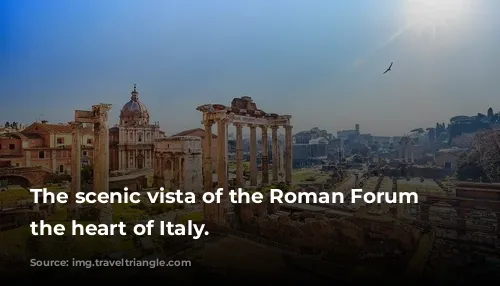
pixel 265 160
pixel 119 158
pixel 221 145
pixel 96 159
pixel 411 154
pixel 288 151
pixel 275 155
pixel 76 164
pixel 281 171
pixel 161 167
pixel 207 157
pixel 180 173
pixel 239 155
pixel 105 154
pixel 253 155
pixel 101 132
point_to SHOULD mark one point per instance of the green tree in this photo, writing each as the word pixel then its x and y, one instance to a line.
pixel 483 161
pixel 86 174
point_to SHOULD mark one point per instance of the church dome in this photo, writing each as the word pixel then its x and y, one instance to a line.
pixel 134 112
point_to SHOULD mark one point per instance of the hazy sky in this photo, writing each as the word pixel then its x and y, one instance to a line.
pixel 320 61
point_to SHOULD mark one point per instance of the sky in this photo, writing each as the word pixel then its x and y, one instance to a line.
pixel 320 61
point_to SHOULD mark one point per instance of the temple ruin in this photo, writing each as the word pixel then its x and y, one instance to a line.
pixel 242 112
pixel 98 117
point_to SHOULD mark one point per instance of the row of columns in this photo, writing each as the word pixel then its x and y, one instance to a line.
pixel 129 159
pixel 76 165
pixel 222 154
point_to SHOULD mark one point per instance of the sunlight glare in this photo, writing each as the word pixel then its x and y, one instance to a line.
pixel 429 15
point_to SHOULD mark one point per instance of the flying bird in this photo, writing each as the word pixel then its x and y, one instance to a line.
pixel 388 69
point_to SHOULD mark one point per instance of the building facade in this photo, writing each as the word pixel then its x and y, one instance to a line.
pixel 43 145
pixel 132 141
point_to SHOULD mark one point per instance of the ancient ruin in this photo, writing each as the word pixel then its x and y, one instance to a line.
pixel 406 150
pixel 242 112
pixel 178 163
pixel 98 117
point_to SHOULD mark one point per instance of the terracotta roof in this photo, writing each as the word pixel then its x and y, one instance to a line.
pixel 54 128
pixel 32 135
pixel 13 135
pixel 51 128
pixel 197 132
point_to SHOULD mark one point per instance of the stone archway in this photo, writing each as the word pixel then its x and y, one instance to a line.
pixel 17 180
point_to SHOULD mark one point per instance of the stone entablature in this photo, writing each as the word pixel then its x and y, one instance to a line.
pixel 182 144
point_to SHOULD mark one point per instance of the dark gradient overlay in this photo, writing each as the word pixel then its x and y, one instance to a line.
pixel 308 242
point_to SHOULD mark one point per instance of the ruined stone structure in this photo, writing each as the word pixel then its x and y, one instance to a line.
pixel 42 144
pixel 469 197
pixel 132 141
pixel 406 150
pixel 30 176
pixel 98 116
pixel 178 163
pixel 242 112
pixel 327 232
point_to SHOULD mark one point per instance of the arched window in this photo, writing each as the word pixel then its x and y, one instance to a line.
pixel 139 137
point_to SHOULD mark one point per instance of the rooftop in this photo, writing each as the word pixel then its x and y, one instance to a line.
pixel 196 132
pixel 51 128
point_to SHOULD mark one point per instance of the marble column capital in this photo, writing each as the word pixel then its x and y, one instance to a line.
pixel 222 121
pixel 252 126
pixel 75 125
pixel 264 128
pixel 275 127
pixel 208 123
pixel 238 125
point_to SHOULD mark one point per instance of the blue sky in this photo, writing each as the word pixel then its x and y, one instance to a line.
pixel 319 60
